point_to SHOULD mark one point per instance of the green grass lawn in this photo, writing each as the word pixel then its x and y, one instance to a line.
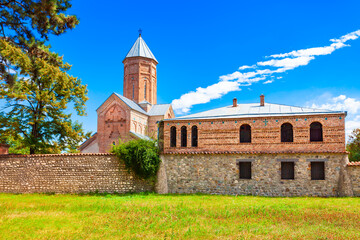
pixel 152 216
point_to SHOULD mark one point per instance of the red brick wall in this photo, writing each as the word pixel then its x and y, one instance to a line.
pixel 223 134
pixel 4 148
pixel 136 69
pixel 113 123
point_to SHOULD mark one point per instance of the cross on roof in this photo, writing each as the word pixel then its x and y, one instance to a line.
pixel 140 31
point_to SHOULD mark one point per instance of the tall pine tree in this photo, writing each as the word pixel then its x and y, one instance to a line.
pixel 34 82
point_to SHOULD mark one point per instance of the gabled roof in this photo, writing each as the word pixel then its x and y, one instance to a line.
pixel 255 110
pixel 156 110
pixel 140 49
pixel 133 105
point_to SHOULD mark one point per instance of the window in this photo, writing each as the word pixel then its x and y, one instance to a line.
pixel 133 91
pixel 287 170
pixel 245 133
pixel 145 91
pixel 183 136
pixel 173 137
pixel 287 133
pixel 194 136
pixel 316 133
pixel 245 170
pixel 317 170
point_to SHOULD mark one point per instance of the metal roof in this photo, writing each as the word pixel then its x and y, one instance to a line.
pixel 133 105
pixel 138 135
pixel 140 49
pixel 156 110
pixel 255 110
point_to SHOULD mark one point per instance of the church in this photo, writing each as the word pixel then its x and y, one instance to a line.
pixel 255 148
pixel 135 114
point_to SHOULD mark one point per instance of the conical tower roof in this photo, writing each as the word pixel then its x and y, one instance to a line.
pixel 140 49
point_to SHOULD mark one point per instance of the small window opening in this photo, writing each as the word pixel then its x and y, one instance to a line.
pixel 287 170
pixel 245 170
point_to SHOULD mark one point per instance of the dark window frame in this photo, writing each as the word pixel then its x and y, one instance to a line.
pixel 245 133
pixel 183 137
pixel 287 132
pixel 245 170
pixel 287 170
pixel 316 132
pixel 194 136
pixel 173 136
pixel 317 170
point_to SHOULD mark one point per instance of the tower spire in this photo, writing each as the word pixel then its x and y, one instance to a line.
pixel 140 31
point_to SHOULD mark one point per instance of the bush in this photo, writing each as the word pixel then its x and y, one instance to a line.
pixel 141 156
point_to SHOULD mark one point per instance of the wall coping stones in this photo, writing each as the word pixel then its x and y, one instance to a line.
pixel 354 164
pixel 251 152
pixel 53 155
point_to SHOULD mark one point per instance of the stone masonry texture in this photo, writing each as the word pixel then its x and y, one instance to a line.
pixel 354 172
pixel 219 174
pixel 67 173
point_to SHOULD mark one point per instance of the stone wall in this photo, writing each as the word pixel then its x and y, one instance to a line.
pixel 354 172
pixel 219 174
pixel 67 173
pixel 224 134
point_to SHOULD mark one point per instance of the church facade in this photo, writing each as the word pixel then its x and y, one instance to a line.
pixel 135 114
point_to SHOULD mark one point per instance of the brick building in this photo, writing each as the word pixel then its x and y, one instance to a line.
pixel 258 149
pixel 134 114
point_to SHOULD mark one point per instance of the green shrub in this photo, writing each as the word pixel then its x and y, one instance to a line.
pixel 141 156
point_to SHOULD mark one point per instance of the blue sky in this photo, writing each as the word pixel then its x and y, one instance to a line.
pixel 201 43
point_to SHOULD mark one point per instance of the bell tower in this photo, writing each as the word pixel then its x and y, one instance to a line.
pixel 140 73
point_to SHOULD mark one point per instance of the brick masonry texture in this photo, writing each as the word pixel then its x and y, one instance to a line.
pixel 67 173
pixel 224 134
pixel 219 174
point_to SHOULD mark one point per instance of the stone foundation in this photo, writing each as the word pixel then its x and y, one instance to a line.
pixel 219 174
pixel 67 173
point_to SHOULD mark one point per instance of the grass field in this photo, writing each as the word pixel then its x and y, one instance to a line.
pixel 151 216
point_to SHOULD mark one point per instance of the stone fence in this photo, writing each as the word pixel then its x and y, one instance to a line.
pixel 179 173
pixel 67 173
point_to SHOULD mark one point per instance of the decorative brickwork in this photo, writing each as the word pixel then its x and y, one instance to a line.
pixel 140 79
pixel 67 173
pixel 224 134
pixel 219 174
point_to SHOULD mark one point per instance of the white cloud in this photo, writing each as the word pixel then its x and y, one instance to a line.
pixel 261 71
pixel 341 103
pixel 204 95
pixel 246 67
pixel 268 81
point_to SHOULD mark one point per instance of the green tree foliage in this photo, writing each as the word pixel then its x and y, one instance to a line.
pixel 140 156
pixel 34 82
pixel 353 146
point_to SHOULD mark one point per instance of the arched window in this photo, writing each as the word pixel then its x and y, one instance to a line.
pixel 173 137
pixel 183 136
pixel 194 136
pixel 245 133
pixel 287 133
pixel 316 133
